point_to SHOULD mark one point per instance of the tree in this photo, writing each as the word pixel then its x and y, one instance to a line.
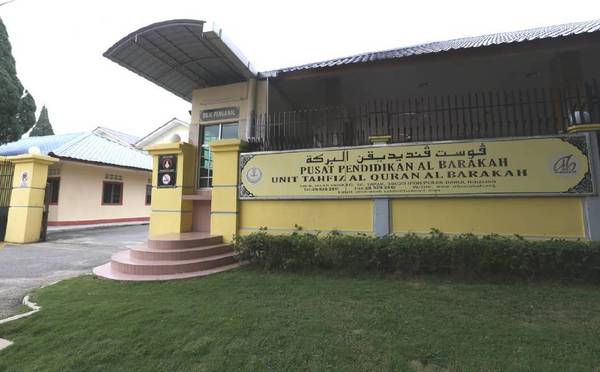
pixel 17 106
pixel 43 126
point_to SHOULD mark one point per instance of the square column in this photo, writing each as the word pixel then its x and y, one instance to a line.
pixel 224 212
pixel 27 197
pixel 591 204
pixel 170 213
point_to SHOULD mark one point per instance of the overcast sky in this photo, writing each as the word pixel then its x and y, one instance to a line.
pixel 58 44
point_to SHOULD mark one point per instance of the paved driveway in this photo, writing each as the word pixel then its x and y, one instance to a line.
pixel 65 254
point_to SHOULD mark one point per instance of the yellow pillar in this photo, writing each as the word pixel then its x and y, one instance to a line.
pixel 171 214
pixel 27 197
pixel 224 209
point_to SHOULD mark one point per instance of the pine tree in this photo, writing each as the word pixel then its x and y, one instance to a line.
pixel 17 106
pixel 43 126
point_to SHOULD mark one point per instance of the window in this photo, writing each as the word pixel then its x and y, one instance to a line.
pixel 148 194
pixel 112 193
pixel 53 189
pixel 211 133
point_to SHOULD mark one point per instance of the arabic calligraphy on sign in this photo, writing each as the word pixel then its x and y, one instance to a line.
pixel 530 166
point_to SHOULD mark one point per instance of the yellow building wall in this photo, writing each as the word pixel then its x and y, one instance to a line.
pixel 281 216
pixel 80 194
pixel 533 217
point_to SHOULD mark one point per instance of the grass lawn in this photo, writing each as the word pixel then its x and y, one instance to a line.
pixel 250 320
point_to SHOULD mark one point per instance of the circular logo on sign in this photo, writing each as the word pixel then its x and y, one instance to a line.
pixel 166 179
pixel 254 175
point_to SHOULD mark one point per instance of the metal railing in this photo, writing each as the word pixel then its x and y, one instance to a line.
pixel 506 113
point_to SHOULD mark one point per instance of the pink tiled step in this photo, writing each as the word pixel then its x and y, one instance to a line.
pixel 142 252
pixel 185 240
pixel 167 257
pixel 106 272
pixel 126 264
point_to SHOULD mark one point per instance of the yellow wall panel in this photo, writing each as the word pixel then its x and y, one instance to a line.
pixel 311 215
pixel 530 217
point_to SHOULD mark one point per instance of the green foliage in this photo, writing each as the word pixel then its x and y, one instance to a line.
pixel 463 255
pixel 17 106
pixel 43 126
pixel 26 113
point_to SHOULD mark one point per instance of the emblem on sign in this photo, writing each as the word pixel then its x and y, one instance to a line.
pixel 566 164
pixel 166 179
pixel 254 175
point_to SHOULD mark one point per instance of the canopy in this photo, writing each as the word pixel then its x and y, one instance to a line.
pixel 180 56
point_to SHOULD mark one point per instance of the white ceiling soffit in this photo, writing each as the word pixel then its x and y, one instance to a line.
pixel 182 55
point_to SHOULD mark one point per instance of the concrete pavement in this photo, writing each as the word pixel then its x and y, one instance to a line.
pixel 65 254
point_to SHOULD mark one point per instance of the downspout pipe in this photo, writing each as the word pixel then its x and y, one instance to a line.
pixel 252 92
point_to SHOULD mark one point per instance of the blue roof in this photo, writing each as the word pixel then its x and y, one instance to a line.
pixel 98 146
pixel 46 144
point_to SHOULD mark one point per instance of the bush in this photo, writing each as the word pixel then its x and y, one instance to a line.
pixel 463 255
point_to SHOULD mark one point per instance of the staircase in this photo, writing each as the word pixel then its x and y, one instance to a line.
pixel 168 257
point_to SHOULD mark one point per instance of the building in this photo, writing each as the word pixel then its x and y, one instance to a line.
pixel 165 133
pixel 485 134
pixel 100 177
pixel 530 82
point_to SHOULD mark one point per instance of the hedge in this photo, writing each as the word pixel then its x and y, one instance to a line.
pixel 464 255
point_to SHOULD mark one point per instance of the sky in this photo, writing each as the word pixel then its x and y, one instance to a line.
pixel 58 44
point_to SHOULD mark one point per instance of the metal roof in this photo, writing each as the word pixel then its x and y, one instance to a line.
pixel 181 55
pixel 46 144
pixel 95 146
pixel 126 138
pixel 100 149
pixel 539 33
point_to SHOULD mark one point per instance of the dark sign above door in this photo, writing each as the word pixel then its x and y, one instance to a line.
pixel 167 171
pixel 220 114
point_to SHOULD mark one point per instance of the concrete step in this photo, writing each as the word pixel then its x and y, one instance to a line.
pixel 184 240
pixel 107 272
pixel 124 263
pixel 142 252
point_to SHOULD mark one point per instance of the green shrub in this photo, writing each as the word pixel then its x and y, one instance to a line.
pixel 463 255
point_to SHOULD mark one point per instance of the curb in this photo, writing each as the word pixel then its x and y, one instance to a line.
pixel 32 305
pixel 4 343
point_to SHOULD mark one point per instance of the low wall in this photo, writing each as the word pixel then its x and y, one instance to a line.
pixel 530 217
pixel 536 187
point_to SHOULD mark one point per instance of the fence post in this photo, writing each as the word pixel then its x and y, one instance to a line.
pixel 27 198
pixel 224 208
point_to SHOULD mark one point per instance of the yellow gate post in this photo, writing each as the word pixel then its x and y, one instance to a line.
pixel 224 209
pixel 27 197
pixel 171 214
